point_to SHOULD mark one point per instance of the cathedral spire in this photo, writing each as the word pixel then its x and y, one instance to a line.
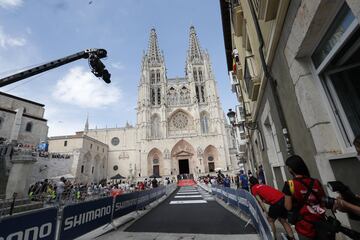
pixel 154 55
pixel 87 123
pixel 194 52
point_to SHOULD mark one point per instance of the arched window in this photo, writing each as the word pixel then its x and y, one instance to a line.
pixel 202 94
pixel 28 127
pixel 197 93
pixel 195 75
pixel 158 76
pixel 155 127
pixel 152 97
pixel 152 77
pixel 200 75
pixel 204 122
pixel 158 96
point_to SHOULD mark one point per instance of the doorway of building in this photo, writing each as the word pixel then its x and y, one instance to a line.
pixel 211 167
pixel 156 170
pixel 184 166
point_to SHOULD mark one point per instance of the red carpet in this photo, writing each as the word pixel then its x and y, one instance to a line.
pixel 186 182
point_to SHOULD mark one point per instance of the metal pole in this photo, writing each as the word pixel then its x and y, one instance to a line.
pixel 271 81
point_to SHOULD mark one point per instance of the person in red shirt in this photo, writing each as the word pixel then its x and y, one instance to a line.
pixel 273 197
pixel 303 196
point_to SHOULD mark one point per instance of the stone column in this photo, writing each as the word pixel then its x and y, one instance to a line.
pixel 22 164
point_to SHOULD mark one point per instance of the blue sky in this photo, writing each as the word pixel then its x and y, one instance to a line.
pixel 36 31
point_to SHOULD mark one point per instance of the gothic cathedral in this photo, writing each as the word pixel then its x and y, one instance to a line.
pixel 180 123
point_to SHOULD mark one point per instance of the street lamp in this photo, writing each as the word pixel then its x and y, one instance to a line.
pixel 231 115
pixel 232 118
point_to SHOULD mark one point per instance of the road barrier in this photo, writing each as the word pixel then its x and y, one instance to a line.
pixel 77 219
pixel 244 201
pixel 38 224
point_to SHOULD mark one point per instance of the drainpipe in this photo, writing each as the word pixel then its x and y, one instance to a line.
pixel 272 82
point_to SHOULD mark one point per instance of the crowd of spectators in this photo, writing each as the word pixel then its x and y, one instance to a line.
pixel 65 191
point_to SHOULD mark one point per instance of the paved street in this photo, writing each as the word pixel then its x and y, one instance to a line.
pixel 190 212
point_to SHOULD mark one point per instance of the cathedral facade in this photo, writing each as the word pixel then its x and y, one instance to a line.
pixel 180 125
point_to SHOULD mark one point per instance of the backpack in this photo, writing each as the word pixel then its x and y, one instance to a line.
pixel 306 215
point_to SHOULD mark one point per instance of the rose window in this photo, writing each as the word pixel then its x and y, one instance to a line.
pixel 180 120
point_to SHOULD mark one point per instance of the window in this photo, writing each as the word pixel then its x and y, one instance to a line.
pixel 103 149
pixel 115 141
pixel 97 148
pixel 92 169
pixel 29 127
pixel 180 120
pixel 195 75
pixel 155 126
pixel 156 161
pixel 82 168
pixel 210 158
pixel 204 123
pixel 333 36
pixel 152 77
pixel 153 97
pixel 337 61
pixel 158 96
pixel 200 75
pixel 65 143
pixel 202 94
pixel 158 76
pixel 115 167
pixel 91 146
pixel 1 122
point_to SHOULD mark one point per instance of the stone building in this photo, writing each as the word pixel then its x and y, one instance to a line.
pixel 311 50
pixel 22 120
pixel 180 123
pixel 22 124
pixel 78 156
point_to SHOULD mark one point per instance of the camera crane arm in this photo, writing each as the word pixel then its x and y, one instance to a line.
pixel 93 55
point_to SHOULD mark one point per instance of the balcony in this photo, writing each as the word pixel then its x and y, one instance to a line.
pixel 251 78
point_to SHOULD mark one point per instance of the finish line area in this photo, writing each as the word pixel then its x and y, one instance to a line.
pixel 190 213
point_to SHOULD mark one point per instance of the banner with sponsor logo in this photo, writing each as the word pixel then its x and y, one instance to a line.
pixel 81 218
pixel 125 204
pixel 249 206
pixel 38 224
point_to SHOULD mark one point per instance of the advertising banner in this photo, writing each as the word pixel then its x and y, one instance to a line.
pixel 125 204
pixel 143 199
pixel 232 197
pixel 82 218
pixel 39 224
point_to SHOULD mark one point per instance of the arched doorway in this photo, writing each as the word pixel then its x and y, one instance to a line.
pixel 211 157
pixel 183 158
pixel 155 162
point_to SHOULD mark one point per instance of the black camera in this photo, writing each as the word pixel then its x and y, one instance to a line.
pixel 346 194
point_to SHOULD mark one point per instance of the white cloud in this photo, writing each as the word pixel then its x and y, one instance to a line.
pixel 117 65
pixel 80 87
pixel 9 41
pixel 10 3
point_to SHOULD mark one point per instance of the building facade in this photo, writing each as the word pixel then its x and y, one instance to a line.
pixel 22 120
pixel 78 157
pixel 180 126
pixel 309 105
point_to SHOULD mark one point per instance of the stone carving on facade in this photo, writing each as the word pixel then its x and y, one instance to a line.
pixel 166 154
pixel 123 155
pixel 199 152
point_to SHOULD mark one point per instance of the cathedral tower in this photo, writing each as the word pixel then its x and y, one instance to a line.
pixel 151 90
